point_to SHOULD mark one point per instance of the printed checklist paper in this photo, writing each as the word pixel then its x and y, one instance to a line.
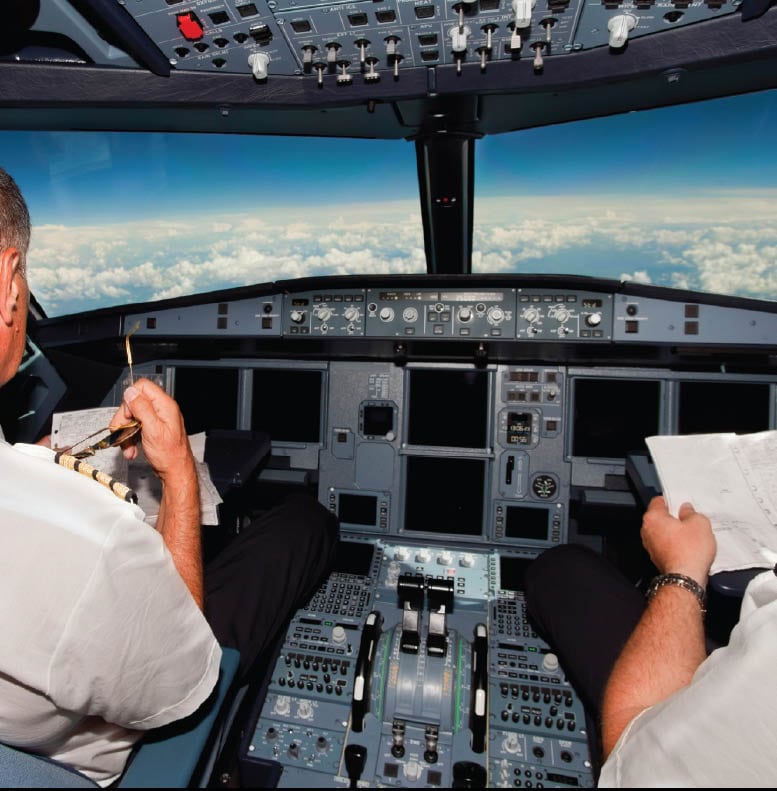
pixel 732 479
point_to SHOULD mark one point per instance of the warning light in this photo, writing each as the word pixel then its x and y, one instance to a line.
pixel 189 25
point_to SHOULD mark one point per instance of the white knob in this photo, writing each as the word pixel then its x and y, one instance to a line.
pixel 459 36
pixel 495 315
pixel 511 744
pixel 338 634
pixel 386 314
pixel 324 314
pixel 413 770
pixel 531 314
pixel 422 556
pixel 258 62
pixel 465 314
pixel 410 315
pixel 351 314
pixel 523 9
pixel 594 319
pixel 297 316
pixel 619 27
pixel 550 663
pixel 444 559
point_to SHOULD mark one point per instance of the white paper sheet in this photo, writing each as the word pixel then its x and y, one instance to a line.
pixel 730 478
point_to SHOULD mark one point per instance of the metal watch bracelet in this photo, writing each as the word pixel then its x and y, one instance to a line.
pixel 680 581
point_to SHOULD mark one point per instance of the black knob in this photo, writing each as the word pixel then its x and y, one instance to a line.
pixel 467 774
pixel 355 758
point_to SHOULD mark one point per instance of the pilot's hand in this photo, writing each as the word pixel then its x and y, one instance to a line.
pixel 163 433
pixel 684 545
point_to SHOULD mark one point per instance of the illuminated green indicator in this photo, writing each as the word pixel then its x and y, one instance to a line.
pixel 457 713
pixel 382 678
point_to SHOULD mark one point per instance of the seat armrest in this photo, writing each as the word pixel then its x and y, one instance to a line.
pixel 170 757
pixel 19 769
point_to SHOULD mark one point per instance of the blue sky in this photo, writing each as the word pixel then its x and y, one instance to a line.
pixel 681 196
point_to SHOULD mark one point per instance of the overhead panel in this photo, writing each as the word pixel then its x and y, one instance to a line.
pixel 377 40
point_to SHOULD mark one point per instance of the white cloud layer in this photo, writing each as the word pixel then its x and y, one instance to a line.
pixel 725 243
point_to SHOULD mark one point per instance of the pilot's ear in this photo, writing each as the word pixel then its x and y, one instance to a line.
pixel 10 261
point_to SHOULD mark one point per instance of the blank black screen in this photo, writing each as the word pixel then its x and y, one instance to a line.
pixel 358 509
pixel 526 522
pixel 207 397
pixel 378 420
pixel 352 557
pixel 613 416
pixel 287 404
pixel 444 495
pixel 511 573
pixel 709 407
pixel 448 408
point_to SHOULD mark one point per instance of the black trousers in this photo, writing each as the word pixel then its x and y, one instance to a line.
pixel 255 583
pixel 585 609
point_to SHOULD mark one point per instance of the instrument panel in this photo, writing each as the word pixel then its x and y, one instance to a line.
pixel 526 314
pixel 416 664
pixel 369 41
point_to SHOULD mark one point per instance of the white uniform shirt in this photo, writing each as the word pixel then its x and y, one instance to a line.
pixel 721 730
pixel 101 639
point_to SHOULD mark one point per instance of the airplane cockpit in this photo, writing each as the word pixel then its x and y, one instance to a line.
pixel 443 265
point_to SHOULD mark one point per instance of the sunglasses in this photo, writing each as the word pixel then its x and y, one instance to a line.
pixel 109 438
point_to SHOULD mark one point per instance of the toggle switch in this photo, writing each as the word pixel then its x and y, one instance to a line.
pixel 538 63
pixel 370 76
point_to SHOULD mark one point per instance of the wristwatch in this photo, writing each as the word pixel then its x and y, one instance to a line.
pixel 681 581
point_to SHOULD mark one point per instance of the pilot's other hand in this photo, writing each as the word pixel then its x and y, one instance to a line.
pixel 678 545
pixel 163 433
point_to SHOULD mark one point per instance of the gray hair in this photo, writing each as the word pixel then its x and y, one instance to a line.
pixel 14 218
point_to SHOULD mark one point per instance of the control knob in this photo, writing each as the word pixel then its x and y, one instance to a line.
pixel 386 314
pixel 619 28
pixel 495 315
pixel 410 315
pixel 338 634
pixel 593 319
pixel 465 314
pixel 459 36
pixel 351 314
pixel 324 314
pixel 297 316
pixel 550 663
pixel 531 315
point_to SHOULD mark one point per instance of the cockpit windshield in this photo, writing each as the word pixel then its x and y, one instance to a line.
pixel 680 196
